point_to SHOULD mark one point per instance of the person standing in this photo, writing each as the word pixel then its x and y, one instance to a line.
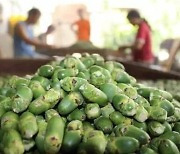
pixel 142 47
pixel 24 41
pixel 83 27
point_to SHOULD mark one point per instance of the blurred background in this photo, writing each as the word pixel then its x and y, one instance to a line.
pixel 109 25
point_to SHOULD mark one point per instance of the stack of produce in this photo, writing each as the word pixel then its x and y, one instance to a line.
pixel 86 105
pixel 171 86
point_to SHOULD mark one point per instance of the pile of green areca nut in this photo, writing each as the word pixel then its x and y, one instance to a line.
pixel 171 86
pixel 86 105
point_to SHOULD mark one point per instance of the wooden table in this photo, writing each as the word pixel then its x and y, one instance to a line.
pixel 29 66
pixel 68 51
pixel 140 71
pixel 20 66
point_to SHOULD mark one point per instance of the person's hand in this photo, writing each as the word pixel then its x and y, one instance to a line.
pixel 47 46
pixel 51 47
pixel 122 48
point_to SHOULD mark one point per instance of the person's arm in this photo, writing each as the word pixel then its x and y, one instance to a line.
pixel 124 47
pixel 140 37
pixel 42 38
pixel 19 30
pixel 138 44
